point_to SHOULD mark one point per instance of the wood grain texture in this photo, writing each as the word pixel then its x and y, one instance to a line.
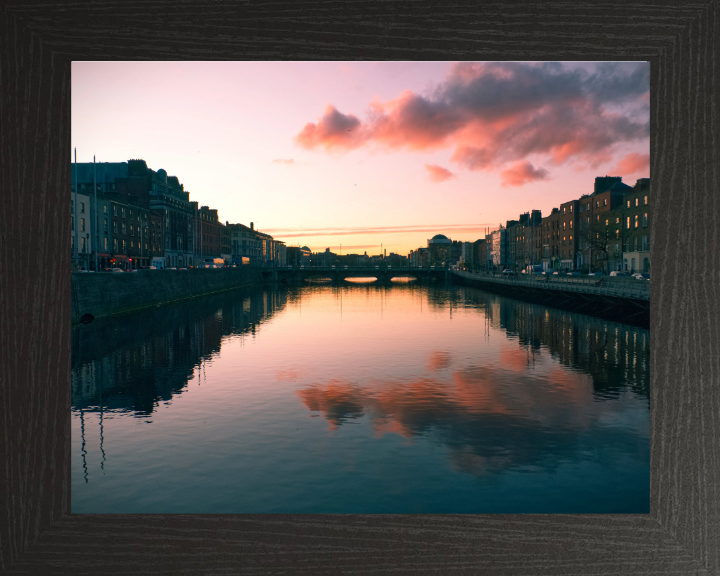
pixel 37 533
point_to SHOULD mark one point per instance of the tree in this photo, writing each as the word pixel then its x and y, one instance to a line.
pixel 602 238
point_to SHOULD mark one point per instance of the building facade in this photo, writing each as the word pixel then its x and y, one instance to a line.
pixel 636 205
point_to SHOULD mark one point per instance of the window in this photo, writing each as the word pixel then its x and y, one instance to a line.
pixel 617 233
pixel 597 204
pixel 628 203
pixel 130 213
pixel 132 244
pixel 645 244
pixel 607 222
pixel 104 208
pixel 604 201
pixel 72 242
pixel 645 220
pixel 571 224
pixel 72 223
pixel 82 207
pixel 145 245
pixel 598 218
pixel 82 224
pixel 635 243
pixel 123 229
pixel 628 223
pixel 617 220
pixel 123 245
pixel 637 220
pixel 106 227
pixel 571 208
pixel 115 245
pixel 82 244
pixel 114 210
pixel 105 243
pixel 114 227
pixel 637 201
pixel 132 231
pixel 123 211
pixel 72 206
pixel 645 200
pixel 571 237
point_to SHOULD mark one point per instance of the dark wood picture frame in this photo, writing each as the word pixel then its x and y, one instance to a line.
pixel 38 535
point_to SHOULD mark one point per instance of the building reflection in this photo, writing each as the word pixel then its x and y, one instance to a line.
pixel 132 363
pixel 550 384
pixel 615 355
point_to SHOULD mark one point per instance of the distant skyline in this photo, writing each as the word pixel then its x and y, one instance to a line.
pixel 364 154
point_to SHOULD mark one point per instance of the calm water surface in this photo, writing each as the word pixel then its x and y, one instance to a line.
pixel 360 399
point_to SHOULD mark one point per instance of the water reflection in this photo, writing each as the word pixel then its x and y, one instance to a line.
pixel 479 385
pixel 131 364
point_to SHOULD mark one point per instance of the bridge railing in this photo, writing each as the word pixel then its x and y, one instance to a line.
pixel 621 288
pixel 369 268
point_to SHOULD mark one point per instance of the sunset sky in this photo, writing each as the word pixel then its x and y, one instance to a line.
pixel 364 154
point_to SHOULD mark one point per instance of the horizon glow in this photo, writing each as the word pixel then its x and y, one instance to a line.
pixel 355 156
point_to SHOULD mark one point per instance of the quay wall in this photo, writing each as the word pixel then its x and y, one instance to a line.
pixel 105 293
pixel 619 300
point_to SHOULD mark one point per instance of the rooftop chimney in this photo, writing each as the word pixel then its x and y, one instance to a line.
pixel 252 226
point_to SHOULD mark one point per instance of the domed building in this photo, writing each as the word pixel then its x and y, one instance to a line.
pixel 439 239
pixel 439 248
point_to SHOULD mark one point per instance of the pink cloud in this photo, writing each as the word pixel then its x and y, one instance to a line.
pixel 497 113
pixel 521 173
pixel 334 130
pixel 438 173
pixel 633 163
pixel 287 162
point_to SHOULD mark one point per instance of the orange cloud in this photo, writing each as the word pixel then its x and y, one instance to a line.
pixel 438 360
pixel 497 113
pixel 286 375
pixel 522 173
pixel 334 130
pixel 633 163
pixel 438 173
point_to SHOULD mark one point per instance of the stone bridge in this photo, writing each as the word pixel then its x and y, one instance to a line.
pixel 382 274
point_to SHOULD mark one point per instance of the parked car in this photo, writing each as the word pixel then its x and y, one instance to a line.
pixel 508 272
pixel 619 273
pixel 641 276
pixel 171 268
pixel 182 268
pixel 574 274
pixel 596 274
pixel 148 268
pixel 118 270
pixel 556 273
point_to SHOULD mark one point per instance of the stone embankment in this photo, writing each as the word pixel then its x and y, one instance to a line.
pixel 99 294
pixel 620 299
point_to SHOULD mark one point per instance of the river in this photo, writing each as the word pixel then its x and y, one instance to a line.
pixel 360 398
